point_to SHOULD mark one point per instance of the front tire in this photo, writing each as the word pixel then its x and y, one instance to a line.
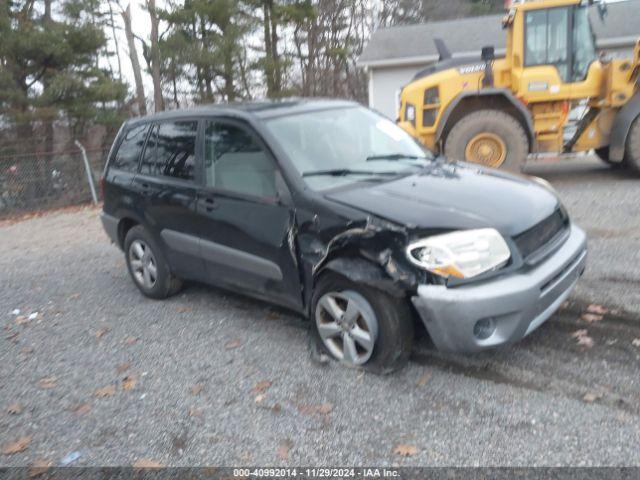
pixel 361 327
pixel 632 153
pixel 148 266
pixel 491 138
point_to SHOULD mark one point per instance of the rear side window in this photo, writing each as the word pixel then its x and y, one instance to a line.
pixel 128 153
pixel 171 150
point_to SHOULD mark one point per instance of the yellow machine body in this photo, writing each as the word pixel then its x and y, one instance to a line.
pixel 538 91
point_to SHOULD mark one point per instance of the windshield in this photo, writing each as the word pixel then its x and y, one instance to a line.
pixel 335 147
pixel 584 50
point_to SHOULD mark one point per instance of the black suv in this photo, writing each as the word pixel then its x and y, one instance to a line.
pixel 331 210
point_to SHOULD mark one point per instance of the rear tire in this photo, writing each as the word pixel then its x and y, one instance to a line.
pixel 148 266
pixel 484 129
pixel 391 319
pixel 632 154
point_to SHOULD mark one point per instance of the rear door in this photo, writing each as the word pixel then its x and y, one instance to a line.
pixel 122 169
pixel 167 183
pixel 247 226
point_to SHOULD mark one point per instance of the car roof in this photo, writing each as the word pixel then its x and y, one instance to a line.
pixel 252 110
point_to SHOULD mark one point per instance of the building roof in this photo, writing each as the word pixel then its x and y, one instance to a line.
pixel 413 44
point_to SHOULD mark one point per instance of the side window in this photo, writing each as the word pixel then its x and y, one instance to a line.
pixel 128 154
pixel 234 161
pixel 547 39
pixel 171 150
pixel 148 165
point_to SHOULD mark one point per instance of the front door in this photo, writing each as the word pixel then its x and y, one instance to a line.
pixel 247 226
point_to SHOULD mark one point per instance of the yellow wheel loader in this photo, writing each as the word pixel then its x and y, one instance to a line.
pixel 496 111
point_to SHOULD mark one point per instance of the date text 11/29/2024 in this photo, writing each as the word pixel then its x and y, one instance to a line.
pixel 319 472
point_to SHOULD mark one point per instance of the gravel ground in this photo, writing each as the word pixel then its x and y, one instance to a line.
pixel 212 378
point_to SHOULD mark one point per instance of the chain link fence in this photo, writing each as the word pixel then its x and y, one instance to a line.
pixel 31 182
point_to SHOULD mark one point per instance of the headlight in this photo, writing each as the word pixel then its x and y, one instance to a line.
pixel 463 254
pixel 410 113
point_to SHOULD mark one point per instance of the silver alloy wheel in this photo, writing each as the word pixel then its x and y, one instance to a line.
pixel 143 264
pixel 347 326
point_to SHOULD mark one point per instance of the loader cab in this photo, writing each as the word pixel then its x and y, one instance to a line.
pixel 552 49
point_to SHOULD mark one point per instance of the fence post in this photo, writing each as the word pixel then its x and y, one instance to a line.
pixel 87 167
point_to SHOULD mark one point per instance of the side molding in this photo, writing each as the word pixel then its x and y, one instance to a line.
pixel 221 254
pixel 621 127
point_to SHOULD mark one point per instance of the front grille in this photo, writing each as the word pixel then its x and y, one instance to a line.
pixel 534 240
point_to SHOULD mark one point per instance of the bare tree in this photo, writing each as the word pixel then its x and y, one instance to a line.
pixel 135 63
pixel 155 56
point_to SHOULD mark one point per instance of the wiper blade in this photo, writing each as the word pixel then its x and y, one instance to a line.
pixel 343 172
pixel 395 156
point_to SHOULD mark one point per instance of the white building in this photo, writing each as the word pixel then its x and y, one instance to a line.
pixel 394 55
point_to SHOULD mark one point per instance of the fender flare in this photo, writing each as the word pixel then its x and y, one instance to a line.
pixel 621 127
pixel 502 92
pixel 365 272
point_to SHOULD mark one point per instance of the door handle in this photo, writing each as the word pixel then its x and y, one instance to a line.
pixel 209 204
pixel 145 189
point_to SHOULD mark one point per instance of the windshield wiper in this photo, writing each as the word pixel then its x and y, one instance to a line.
pixel 395 156
pixel 343 172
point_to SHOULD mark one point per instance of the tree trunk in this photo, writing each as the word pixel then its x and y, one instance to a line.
pixel 135 63
pixel 155 56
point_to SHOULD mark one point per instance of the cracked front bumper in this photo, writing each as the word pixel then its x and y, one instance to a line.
pixel 513 306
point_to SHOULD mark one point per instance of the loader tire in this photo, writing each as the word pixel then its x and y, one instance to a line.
pixel 632 154
pixel 491 138
pixel 603 154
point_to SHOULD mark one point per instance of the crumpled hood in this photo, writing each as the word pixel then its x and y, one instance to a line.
pixel 455 196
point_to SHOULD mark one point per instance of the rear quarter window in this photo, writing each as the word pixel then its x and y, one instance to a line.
pixel 128 153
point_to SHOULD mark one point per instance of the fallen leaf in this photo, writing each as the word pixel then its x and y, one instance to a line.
pixel 597 309
pixel 27 350
pixel 405 450
pixel 196 389
pixel 107 391
pixel 636 342
pixel 232 344
pixel 102 332
pixel 82 409
pixel 422 381
pixel 17 446
pixel 129 382
pixel 14 409
pixel 591 317
pixel 48 382
pixel 74 296
pixel 123 367
pixel 579 333
pixel 284 449
pixel 261 387
pixel 273 316
pixel 195 412
pixel 130 340
pixel 147 463
pixel 21 320
pixel 591 397
pixel 277 408
pixel 184 309
pixel 39 466
pixel 323 409
pixel 586 341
